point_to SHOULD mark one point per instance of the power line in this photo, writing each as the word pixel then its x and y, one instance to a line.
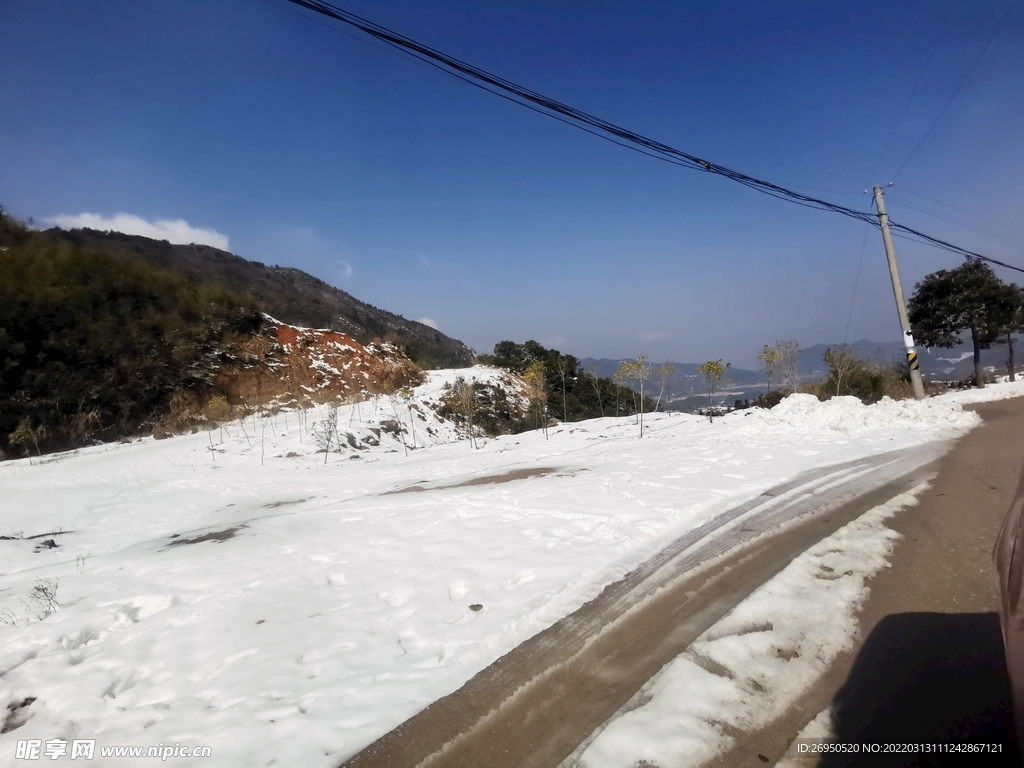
pixel 910 98
pixel 537 102
pixel 939 215
pixel 957 91
pixel 282 6
pixel 856 284
pixel 945 246
pixel 962 210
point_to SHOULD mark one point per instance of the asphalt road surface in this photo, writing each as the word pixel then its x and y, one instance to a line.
pixel 930 665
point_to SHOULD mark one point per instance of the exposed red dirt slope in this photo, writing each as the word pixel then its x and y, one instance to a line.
pixel 285 363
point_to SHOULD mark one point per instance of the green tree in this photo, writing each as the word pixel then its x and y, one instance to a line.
pixel 1014 324
pixel 581 396
pixel 952 301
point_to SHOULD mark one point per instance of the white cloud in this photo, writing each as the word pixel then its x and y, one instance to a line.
pixel 346 269
pixel 172 230
pixel 428 321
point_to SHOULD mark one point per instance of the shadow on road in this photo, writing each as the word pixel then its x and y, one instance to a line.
pixel 927 678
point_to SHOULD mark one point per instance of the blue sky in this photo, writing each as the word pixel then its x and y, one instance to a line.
pixel 309 147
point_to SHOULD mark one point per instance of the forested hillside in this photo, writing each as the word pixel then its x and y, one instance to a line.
pixel 572 393
pixel 105 335
pixel 288 294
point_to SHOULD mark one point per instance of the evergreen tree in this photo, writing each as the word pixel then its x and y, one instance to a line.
pixel 1014 324
pixel 969 298
pixel 581 396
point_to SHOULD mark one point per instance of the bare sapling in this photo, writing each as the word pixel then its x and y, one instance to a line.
pixel 769 359
pixel 241 423
pixel 395 399
pixel 664 374
pixel 595 380
pixel 641 372
pixel 536 385
pixel 324 430
pixel 788 364
pixel 407 396
pixel 564 372
pixel 841 362
pixel 713 372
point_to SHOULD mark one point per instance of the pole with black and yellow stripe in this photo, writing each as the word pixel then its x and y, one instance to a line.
pixel 901 304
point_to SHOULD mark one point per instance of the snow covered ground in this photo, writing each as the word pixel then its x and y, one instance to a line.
pixel 286 611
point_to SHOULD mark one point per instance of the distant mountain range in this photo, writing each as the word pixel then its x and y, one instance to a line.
pixel 687 386
pixel 936 364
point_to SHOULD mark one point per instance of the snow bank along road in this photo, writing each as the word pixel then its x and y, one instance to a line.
pixel 284 611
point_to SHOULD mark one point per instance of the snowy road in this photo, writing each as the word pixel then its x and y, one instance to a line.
pixel 535 705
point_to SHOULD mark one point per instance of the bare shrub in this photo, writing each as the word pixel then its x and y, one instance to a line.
pixel 771 399
pixel 323 431
pixel 217 409
pixel 460 397
pixel 43 597
pixel 868 381
pixel 83 424
pixel 184 414
pixel 254 349
pixel 24 434
pixel 389 375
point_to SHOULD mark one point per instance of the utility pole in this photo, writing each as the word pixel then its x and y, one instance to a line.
pixel 901 304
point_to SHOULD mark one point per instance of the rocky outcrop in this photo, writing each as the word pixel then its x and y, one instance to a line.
pixel 285 364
